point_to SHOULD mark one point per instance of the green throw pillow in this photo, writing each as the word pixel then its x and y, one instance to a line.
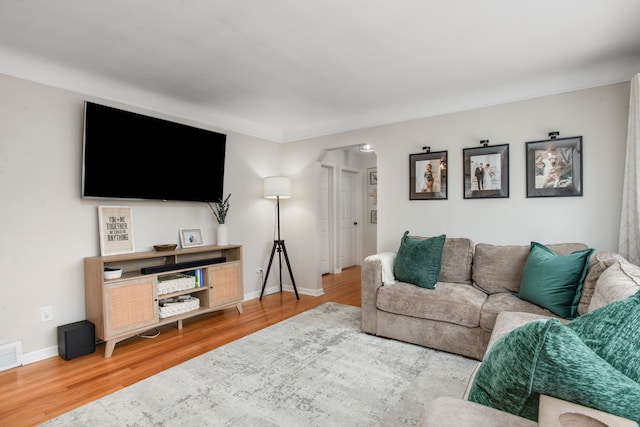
pixel 554 281
pixel 545 357
pixel 418 261
pixel 613 333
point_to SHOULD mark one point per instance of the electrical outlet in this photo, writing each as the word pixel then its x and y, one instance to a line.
pixel 258 270
pixel 46 313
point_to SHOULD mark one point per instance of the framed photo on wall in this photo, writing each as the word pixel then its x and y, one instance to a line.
pixel 554 167
pixel 191 237
pixel 116 230
pixel 373 177
pixel 372 195
pixel 428 176
pixel 486 172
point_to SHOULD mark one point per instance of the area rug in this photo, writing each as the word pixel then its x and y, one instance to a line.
pixel 314 369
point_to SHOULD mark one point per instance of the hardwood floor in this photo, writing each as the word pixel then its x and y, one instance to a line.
pixel 32 394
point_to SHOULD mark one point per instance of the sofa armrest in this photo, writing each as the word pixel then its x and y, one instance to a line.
pixel 557 412
pixel 371 281
pixel 507 321
pixel 449 411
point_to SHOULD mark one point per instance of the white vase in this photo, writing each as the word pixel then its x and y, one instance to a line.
pixel 222 235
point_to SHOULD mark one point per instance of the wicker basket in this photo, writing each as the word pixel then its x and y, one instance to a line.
pixel 174 306
pixel 175 283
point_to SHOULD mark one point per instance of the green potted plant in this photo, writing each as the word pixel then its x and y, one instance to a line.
pixel 219 211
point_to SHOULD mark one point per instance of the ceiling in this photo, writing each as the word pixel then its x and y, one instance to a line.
pixel 291 69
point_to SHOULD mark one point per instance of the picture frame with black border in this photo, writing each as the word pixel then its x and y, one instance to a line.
pixel 554 167
pixel 486 172
pixel 191 237
pixel 428 176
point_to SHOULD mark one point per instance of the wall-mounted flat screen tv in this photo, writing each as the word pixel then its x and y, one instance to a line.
pixel 132 156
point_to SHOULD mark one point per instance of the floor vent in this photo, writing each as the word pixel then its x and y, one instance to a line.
pixel 10 355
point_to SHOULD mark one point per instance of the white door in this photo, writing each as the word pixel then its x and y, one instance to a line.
pixel 348 218
pixel 324 218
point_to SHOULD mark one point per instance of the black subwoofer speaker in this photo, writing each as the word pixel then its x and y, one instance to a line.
pixel 76 339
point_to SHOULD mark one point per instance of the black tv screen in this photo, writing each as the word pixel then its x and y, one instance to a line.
pixel 132 156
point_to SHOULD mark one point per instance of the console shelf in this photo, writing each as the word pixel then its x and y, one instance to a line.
pixel 124 307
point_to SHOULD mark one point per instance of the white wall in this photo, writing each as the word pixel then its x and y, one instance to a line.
pixel 48 229
pixel 599 115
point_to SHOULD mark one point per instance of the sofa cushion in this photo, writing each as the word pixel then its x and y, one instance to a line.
pixel 599 262
pixel 450 302
pixel 498 268
pixel 418 261
pixel 457 258
pixel 613 333
pixel 545 357
pixel 554 281
pixel 617 282
pixel 506 301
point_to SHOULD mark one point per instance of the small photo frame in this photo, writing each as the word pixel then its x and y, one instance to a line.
pixel 486 172
pixel 374 217
pixel 554 167
pixel 116 230
pixel 373 178
pixel 428 176
pixel 191 237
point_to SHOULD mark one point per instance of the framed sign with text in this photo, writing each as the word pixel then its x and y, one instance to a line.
pixel 116 230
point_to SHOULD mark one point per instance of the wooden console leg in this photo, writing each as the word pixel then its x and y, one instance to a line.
pixel 109 346
pixel 239 307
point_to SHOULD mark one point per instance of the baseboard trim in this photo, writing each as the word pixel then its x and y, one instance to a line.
pixel 38 355
pixel 285 288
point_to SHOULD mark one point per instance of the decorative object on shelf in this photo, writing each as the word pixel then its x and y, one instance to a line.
pixel 167 247
pixel 219 210
pixel 554 167
pixel 112 273
pixel 278 187
pixel 116 230
pixel 191 237
pixel 222 235
pixel 486 171
pixel 428 175
pixel 374 217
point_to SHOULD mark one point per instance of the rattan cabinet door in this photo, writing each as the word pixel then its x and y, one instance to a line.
pixel 130 305
pixel 224 283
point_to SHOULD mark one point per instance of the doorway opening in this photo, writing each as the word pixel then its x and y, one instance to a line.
pixel 347 217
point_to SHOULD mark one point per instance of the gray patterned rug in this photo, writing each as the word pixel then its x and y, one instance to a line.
pixel 314 369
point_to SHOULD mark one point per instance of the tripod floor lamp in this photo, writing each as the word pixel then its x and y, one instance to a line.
pixel 278 187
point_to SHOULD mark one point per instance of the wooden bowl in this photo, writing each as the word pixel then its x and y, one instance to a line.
pixel 165 247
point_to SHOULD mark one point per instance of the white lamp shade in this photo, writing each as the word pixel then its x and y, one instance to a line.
pixel 275 186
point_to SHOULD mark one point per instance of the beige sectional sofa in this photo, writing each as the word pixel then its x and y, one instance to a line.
pixel 473 306
pixel 475 284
